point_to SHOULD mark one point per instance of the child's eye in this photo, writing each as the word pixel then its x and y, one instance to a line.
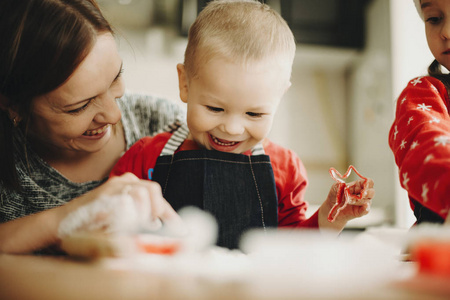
pixel 433 20
pixel 118 75
pixel 254 115
pixel 214 109
pixel 80 109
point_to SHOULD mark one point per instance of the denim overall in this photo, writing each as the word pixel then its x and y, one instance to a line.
pixel 237 189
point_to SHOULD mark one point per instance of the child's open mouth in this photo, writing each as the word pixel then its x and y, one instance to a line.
pixel 223 142
pixel 223 145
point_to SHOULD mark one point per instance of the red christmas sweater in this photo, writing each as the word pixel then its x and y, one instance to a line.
pixel 289 173
pixel 420 141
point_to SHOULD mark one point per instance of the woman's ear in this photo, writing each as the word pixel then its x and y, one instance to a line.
pixel 12 113
pixel 182 82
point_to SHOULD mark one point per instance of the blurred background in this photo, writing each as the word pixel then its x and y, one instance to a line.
pixel 353 59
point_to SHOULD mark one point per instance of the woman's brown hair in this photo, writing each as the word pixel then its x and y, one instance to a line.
pixel 42 43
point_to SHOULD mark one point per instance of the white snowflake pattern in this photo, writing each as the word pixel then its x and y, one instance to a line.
pixel 425 192
pixel 428 158
pixel 416 81
pixel 405 180
pixel 442 140
pixel 403 100
pixel 434 120
pixel 436 184
pixel 414 144
pixel 395 132
pixel 403 144
pixel 410 119
pixel 424 107
pixel 434 89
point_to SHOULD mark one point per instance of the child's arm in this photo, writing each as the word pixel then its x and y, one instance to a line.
pixel 420 141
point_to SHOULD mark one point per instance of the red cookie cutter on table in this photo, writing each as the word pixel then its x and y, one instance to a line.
pixel 345 188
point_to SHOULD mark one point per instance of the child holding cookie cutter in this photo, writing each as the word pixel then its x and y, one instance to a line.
pixel 237 68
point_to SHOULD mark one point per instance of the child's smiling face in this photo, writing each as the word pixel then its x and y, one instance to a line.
pixel 436 14
pixel 230 106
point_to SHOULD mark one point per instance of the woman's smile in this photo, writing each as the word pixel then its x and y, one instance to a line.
pixel 97 133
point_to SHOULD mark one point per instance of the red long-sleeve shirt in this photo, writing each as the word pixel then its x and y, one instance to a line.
pixel 420 141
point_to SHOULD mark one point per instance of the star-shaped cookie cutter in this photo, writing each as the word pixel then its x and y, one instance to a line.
pixel 344 188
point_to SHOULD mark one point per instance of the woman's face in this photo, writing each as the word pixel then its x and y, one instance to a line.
pixel 76 117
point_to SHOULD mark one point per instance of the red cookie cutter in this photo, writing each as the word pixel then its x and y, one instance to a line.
pixel 344 189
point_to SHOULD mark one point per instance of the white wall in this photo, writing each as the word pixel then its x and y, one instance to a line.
pixel 370 104
pixel 311 119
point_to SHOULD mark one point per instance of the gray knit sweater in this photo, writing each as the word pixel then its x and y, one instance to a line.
pixel 43 187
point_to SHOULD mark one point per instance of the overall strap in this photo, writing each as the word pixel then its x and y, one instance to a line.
pixel 181 133
pixel 258 149
pixel 175 141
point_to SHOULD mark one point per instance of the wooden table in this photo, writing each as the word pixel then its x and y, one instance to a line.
pixel 27 277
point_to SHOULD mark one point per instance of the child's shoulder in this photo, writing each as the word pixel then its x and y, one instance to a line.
pixel 424 87
pixel 279 154
pixel 425 82
pixel 153 141
pixel 285 163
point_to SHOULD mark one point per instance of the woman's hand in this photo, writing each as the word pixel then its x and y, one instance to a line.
pixel 352 210
pixel 40 230
pixel 120 204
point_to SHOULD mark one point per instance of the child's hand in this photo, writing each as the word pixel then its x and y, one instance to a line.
pixel 355 208
pixel 348 210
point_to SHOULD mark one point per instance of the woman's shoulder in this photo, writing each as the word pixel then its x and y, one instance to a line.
pixel 146 106
pixel 146 115
pixel 133 99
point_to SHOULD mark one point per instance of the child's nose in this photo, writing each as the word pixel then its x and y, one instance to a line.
pixel 445 30
pixel 233 126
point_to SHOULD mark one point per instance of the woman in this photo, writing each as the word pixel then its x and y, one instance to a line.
pixel 64 119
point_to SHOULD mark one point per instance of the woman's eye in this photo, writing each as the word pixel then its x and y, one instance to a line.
pixel 80 109
pixel 214 109
pixel 254 115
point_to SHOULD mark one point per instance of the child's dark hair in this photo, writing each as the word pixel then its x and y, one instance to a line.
pixel 42 43
pixel 434 70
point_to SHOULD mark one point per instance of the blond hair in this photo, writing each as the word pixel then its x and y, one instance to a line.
pixel 243 31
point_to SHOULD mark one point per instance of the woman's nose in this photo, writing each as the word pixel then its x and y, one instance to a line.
pixel 108 110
